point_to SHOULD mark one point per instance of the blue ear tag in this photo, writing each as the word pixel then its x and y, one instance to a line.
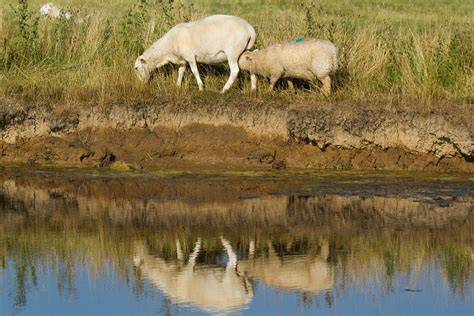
pixel 298 40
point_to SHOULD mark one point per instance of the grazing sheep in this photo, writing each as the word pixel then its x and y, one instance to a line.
pixel 53 11
pixel 303 59
pixel 214 39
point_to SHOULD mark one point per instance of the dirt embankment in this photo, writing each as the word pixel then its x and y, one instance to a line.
pixel 231 133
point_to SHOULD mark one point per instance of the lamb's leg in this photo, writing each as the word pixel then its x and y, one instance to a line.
pixel 324 250
pixel 326 88
pixel 253 82
pixel 179 251
pixel 290 85
pixel 252 249
pixel 181 71
pixel 195 71
pixel 234 72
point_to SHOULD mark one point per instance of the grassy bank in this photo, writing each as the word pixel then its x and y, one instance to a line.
pixel 392 52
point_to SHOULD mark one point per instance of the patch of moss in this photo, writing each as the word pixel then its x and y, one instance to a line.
pixel 120 166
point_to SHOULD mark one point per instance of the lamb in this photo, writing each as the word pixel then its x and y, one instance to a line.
pixel 53 11
pixel 308 59
pixel 211 40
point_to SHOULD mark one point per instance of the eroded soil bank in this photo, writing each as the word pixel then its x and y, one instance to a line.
pixel 238 134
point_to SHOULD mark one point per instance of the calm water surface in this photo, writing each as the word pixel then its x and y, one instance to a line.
pixel 182 243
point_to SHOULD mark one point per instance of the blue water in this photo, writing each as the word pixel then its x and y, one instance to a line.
pixel 108 295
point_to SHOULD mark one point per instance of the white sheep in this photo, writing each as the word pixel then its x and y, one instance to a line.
pixel 307 59
pixel 211 40
pixel 53 11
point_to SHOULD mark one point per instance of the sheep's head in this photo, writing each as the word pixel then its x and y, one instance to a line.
pixel 151 60
pixel 139 252
pixel 142 69
pixel 246 61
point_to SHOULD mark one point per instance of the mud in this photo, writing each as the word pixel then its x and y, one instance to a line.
pixel 237 134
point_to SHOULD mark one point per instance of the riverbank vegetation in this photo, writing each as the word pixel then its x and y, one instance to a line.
pixel 417 53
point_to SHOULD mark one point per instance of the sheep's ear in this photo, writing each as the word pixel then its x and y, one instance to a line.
pixel 256 50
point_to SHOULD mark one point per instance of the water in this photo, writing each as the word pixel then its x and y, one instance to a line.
pixel 182 243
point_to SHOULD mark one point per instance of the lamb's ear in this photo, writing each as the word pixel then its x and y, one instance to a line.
pixel 256 50
pixel 142 60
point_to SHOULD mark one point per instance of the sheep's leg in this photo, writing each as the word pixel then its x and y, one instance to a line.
pixel 181 71
pixel 253 82
pixel 290 85
pixel 194 255
pixel 273 81
pixel 195 71
pixel 232 264
pixel 326 88
pixel 234 72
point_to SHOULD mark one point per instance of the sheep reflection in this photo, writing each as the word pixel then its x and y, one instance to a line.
pixel 209 288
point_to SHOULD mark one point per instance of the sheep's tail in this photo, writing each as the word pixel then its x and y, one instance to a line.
pixel 253 37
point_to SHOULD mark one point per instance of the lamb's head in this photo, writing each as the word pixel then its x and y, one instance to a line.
pixel 246 60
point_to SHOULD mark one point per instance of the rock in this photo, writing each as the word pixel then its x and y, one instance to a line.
pixel 264 156
pixel 105 157
pixel 101 157
pixel 279 165
pixel 65 122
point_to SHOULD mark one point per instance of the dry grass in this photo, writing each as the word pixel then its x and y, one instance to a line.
pixel 410 52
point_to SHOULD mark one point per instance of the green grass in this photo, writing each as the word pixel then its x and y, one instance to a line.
pixel 410 52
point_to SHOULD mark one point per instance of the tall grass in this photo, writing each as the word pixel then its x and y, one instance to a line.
pixel 417 52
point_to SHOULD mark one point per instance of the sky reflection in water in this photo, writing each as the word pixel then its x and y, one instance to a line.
pixel 345 244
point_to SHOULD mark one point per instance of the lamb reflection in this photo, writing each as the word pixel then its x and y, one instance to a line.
pixel 206 287
pixel 305 273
